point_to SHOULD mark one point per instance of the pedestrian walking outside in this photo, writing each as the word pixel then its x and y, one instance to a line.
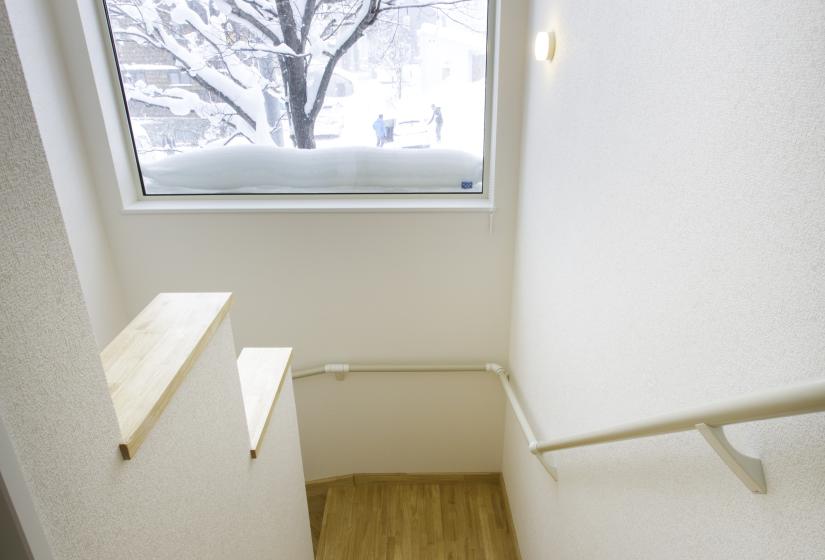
pixel 380 131
pixel 439 122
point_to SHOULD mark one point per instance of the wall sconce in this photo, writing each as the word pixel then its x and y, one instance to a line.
pixel 545 45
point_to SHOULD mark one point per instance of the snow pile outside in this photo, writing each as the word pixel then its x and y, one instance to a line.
pixel 254 169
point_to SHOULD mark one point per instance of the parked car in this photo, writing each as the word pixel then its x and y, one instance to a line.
pixel 411 133
pixel 332 118
pixel 330 122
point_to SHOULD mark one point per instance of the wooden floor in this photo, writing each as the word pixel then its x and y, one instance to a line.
pixel 399 517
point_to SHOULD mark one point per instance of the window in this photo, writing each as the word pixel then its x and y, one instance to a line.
pixel 304 97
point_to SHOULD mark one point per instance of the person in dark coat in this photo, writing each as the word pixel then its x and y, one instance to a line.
pixel 439 122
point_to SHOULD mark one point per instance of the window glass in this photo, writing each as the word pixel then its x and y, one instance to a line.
pixel 304 96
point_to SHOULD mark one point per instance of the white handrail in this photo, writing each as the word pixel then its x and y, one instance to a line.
pixel 786 401
pixel 387 368
pixel 340 369
pixel 708 419
pixel 532 442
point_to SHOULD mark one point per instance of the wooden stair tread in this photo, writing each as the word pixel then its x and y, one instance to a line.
pixel 149 359
pixel 262 372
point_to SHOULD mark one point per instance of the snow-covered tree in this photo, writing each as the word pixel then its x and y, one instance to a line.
pixel 397 44
pixel 246 53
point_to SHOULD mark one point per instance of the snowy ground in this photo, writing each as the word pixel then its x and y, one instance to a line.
pixel 462 105
pixel 349 162
pixel 263 169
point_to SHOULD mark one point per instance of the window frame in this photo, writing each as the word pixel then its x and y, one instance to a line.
pixel 108 83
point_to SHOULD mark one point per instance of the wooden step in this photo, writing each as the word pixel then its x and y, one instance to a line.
pixel 262 372
pixel 148 360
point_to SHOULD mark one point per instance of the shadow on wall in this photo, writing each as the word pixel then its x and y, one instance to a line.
pixel 12 546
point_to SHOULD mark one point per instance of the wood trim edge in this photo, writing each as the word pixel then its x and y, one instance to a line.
pixel 509 514
pixel 321 485
pixel 130 447
pixel 256 445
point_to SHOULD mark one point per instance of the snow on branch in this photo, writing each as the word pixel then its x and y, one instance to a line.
pixel 179 101
pixel 213 42
pixel 365 16
pixel 259 15
pixel 258 50
pixel 406 4
pixel 239 85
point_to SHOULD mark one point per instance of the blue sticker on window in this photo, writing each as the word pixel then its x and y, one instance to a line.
pixel 466 185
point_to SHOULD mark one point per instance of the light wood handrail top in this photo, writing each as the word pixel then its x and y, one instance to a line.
pixel 262 372
pixel 149 359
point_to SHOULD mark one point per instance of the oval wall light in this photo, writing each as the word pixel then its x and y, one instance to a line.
pixel 545 45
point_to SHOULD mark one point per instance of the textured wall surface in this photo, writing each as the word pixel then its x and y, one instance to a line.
pixel 671 251
pixel 192 491
pixel 58 123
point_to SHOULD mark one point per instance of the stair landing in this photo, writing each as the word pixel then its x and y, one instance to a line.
pixel 414 517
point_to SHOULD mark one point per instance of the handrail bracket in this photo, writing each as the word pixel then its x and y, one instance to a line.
pixel 748 469
pixel 546 462
pixel 339 370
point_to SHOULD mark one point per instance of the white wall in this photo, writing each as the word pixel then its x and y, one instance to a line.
pixel 669 253
pixel 411 422
pixel 192 491
pixel 58 124
pixel 412 287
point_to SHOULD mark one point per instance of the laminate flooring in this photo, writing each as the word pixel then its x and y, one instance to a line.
pixel 412 519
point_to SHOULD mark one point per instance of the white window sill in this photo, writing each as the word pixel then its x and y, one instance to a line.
pixel 303 205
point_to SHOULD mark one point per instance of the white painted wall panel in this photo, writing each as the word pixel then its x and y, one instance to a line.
pixel 410 422
pixel 670 252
